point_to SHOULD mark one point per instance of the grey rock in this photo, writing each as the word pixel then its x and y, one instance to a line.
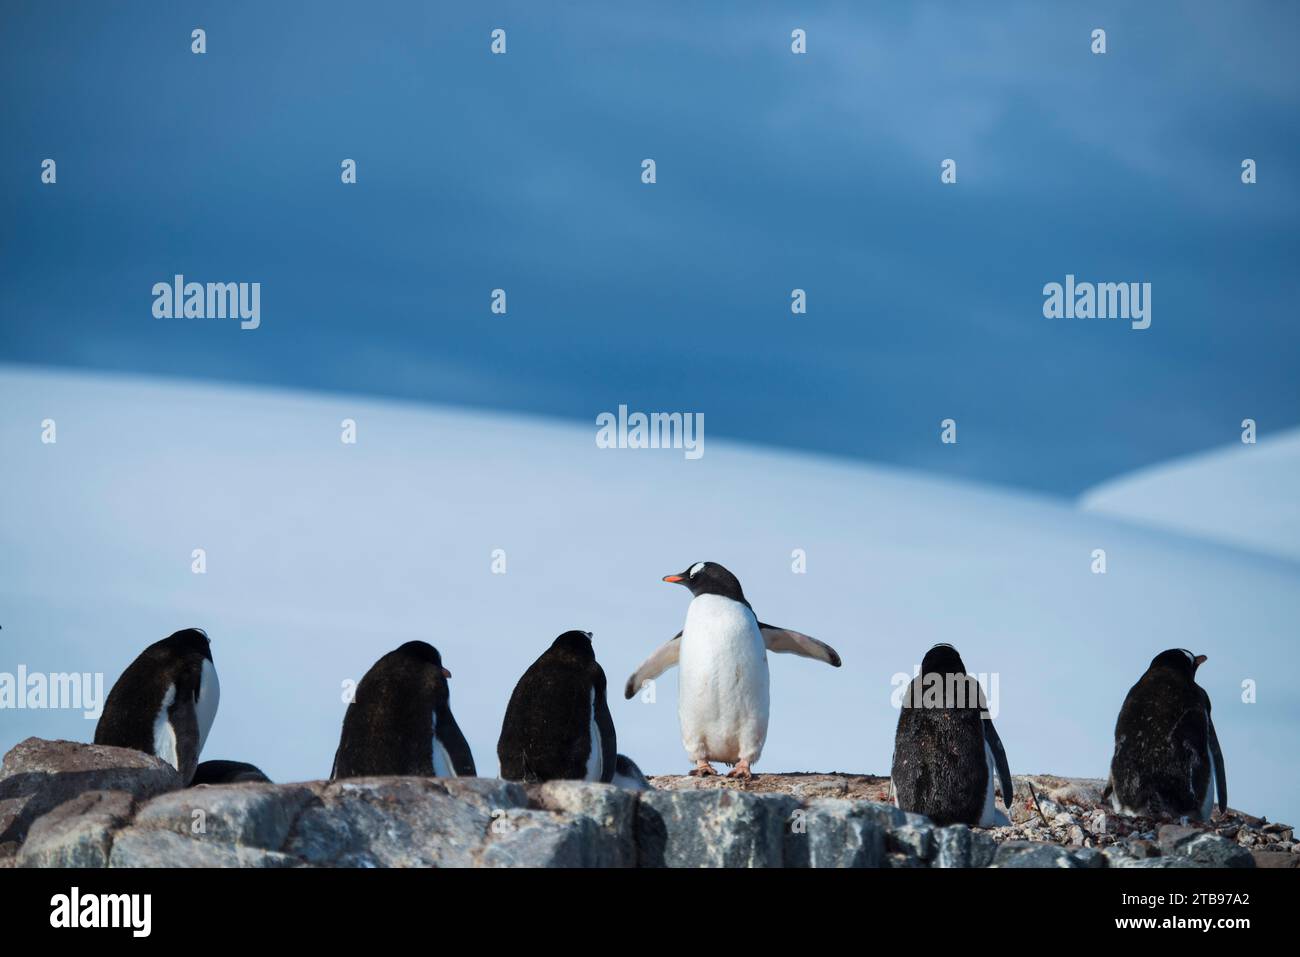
pixel 960 846
pixel 714 828
pixel 77 833
pixel 809 790
pixel 1171 836
pixel 886 815
pixel 1142 848
pixel 150 847
pixel 1032 854
pixel 982 849
pixel 1024 810
pixel 1150 862
pixel 1119 855
pixel 255 815
pixel 1051 810
pixel 953 847
pixel 914 840
pixel 1088 857
pixel 529 838
pixel 1275 859
pixel 384 822
pixel 1210 850
pixel 1081 793
pixel 38 775
pixel 401 821
pixel 832 832
pixel 610 810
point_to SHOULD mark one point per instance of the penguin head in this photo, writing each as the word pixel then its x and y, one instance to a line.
pixel 425 653
pixel 1179 660
pixel 708 578
pixel 189 641
pixel 942 659
pixel 576 643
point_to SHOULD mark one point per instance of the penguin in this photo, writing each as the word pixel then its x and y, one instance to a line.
pixel 1167 760
pixel 227 772
pixel 400 720
pixel 165 701
pixel 628 775
pixel 557 724
pixel 722 701
pixel 947 754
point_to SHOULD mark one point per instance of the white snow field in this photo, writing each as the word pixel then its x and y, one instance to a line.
pixel 323 556
pixel 1242 495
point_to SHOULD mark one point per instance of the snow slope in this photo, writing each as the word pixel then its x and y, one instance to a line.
pixel 322 556
pixel 1247 496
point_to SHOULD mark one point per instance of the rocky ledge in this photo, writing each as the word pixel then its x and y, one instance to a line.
pixel 65 804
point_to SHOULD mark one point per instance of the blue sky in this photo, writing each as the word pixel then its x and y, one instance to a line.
pixel 775 171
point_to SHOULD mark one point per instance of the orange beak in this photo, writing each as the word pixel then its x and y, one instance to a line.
pixel 1200 660
pixel 672 579
pixel 446 673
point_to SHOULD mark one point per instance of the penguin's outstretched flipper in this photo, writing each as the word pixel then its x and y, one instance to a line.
pixel 787 641
pixel 664 657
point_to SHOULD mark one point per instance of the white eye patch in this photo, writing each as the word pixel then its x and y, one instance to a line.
pixel 696 568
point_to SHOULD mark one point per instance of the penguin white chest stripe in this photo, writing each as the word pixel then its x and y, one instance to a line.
pixel 723 689
pixel 991 816
pixel 596 756
pixel 1211 782
pixel 164 735
pixel 205 708
pixel 442 766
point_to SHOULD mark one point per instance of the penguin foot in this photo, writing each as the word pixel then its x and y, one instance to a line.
pixel 741 771
pixel 703 770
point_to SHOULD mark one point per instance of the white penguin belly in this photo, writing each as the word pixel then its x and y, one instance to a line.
pixel 723 686
pixel 164 735
pixel 596 748
pixel 442 766
pixel 1211 783
pixel 991 816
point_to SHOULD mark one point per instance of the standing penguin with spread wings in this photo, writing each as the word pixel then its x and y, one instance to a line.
pixel 1167 759
pixel 722 698
pixel 947 756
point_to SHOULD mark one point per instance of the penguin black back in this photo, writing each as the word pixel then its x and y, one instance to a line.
pixel 557 724
pixel 399 718
pixel 942 747
pixel 1167 758
pixel 228 772
pixel 155 705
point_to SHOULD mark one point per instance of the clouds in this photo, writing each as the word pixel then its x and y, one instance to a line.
pixel 776 171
